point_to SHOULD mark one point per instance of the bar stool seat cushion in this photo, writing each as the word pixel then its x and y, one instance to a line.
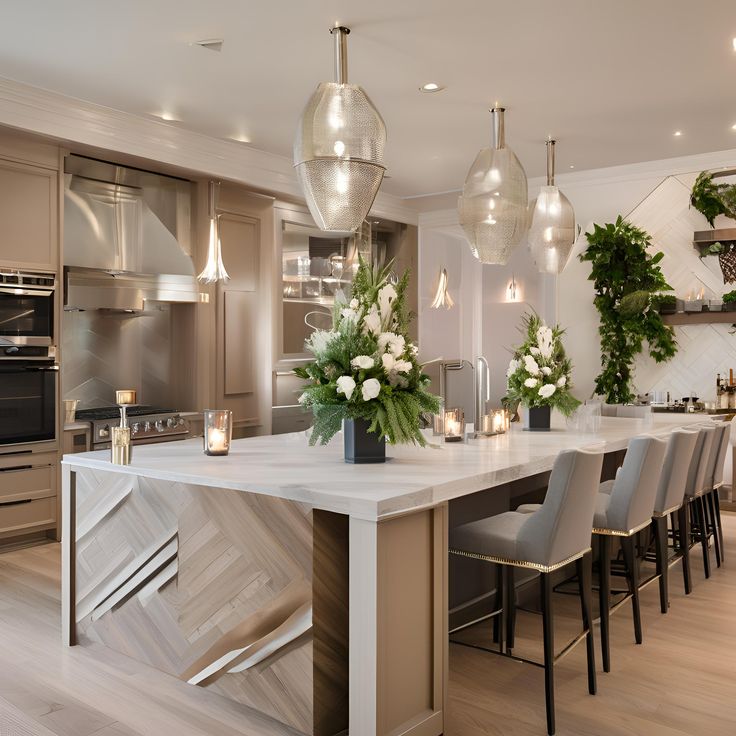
pixel 496 536
pixel 528 508
pixel 600 517
pixel 606 487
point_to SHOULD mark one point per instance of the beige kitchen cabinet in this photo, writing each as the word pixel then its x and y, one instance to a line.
pixel 28 216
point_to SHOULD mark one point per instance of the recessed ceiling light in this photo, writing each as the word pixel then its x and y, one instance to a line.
pixel 733 127
pixel 431 87
pixel 240 138
pixel 734 44
pixel 572 166
pixel 166 115
pixel 677 133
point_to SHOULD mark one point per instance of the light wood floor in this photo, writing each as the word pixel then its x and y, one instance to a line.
pixel 681 681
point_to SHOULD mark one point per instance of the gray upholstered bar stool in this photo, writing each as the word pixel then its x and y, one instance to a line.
pixel 622 512
pixel 696 488
pixel 714 481
pixel 555 535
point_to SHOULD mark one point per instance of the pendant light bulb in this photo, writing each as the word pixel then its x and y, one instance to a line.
pixel 338 149
pixel 442 296
pixel 493 206
pixel 214 269
pixel 552 232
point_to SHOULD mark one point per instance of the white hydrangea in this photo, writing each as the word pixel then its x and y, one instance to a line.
pixel 546 370
pixel 370 389
pixel 362 362
pixel 561 381
pixel 534 350
pixel 531 365
pixel 530 382
pixel 346 385
pixel 513 367
pixel 547 390
pixel 354 303
pixel 391 342
pixel 319 340
pixel 544 340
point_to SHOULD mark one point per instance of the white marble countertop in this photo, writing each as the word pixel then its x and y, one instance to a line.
pixel 285 466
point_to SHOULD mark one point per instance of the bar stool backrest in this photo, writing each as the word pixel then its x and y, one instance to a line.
pixel 635 487
pixel 561 528
pixel 701 456
pixel 680 449
pixel 725 428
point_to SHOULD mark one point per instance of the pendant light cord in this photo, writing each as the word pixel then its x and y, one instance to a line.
pixel 550 161
pixel 499 131
pixel 341 53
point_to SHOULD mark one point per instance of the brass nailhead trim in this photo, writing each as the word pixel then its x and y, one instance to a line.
pixel 519 563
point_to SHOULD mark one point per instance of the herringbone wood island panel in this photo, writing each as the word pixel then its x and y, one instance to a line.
pixel 215 586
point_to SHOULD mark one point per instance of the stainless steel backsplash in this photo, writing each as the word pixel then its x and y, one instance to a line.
pixel 103 351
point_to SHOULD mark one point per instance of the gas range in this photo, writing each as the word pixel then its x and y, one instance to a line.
pixel 148 424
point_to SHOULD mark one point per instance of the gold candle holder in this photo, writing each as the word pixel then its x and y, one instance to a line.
pixel 120 448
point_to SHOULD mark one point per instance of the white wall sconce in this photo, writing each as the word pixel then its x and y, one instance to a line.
pixel 214 269
pixel 442 296
pixel 513 291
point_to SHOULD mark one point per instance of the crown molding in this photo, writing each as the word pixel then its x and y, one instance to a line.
pixel 75 121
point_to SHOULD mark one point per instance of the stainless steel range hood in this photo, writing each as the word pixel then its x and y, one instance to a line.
pixel 126 237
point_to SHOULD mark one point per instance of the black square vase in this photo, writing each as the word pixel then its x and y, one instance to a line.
pixel 539 419
pixel 362 446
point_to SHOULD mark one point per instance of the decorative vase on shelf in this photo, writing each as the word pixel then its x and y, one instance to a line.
pixel 537 418
pixel 362 446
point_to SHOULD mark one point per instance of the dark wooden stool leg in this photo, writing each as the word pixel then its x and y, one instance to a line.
pixel 703 531
pixel 604 592
pixel 717 504
pixel 660 542
pixel 498 603
pixel 683 530
pixel 713 525
pixel 510 606
pixel 549 650
pixel 585 583
pixel 632 567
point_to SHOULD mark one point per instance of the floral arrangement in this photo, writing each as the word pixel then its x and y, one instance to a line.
pixel 365 367
pixel 539 372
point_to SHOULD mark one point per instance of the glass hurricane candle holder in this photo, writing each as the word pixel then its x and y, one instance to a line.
pixel 218 431
pixel 495 422
pixel 438 420
pixel 454 421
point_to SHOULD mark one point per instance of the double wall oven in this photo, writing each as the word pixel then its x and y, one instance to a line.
pixel 29 375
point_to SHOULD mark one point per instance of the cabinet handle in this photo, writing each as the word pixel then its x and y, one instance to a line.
pixel 15 467
pixel 15 503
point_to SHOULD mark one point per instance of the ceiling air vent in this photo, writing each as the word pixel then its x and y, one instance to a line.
pixel 213 44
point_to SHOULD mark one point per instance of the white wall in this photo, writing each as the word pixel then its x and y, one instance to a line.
pixel 598 196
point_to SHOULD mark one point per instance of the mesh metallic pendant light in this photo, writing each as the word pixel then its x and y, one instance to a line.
pixel 493 205
pixel 338 150
pixel 552 231
pixel 214 269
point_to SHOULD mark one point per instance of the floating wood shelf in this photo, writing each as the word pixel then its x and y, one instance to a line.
pixel 699 318
pixel 705 238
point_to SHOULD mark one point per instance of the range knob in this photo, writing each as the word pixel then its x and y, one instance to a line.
pixel 146 426
pixel 180 422
pixel 105 431
pixel 171 422
pixel 135 428
pixel 159 425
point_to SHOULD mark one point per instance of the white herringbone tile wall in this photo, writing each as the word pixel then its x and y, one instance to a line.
pixel 704 350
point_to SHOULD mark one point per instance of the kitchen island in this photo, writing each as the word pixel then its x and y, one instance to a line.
pixel 281 577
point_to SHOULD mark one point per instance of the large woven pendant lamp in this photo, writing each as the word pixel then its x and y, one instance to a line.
pixel 338 150
pixel 552 232
pixel 493 206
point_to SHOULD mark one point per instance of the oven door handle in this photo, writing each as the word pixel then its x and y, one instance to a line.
pixel 25 292
pixel 29 368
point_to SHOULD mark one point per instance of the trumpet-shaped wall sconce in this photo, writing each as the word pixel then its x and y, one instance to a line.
pixel 513 292
pixel 442 297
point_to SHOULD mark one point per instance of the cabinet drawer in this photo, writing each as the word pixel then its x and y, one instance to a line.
pixel 20 516
pixel 19 482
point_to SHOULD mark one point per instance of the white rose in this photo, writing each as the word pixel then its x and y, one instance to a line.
pixel 346 385
pixel 547 390
pixel 562 381
pixel 363 362
pixel 513 367
pixel 388 361
pixel 534 350
pixel 531 365
pixel 371 388
pixel 372 321
pixel 354 304
pixel 403 366
pixel 530 382
pixel 547 371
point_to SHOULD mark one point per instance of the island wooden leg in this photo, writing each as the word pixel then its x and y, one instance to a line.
pixel 68 555
pixel 398 625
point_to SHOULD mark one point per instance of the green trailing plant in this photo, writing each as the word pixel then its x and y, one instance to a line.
pixel 539 373
pixel 665 303
pixel 365 367
pixel 626 278
pixel 729 297
pixel 711 199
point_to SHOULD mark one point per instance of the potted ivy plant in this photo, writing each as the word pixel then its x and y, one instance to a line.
pixel 665 303
pixel 729 301
pixel 539 375
pixel 365 375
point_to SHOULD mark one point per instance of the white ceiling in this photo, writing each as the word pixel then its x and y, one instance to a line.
pixel 611 81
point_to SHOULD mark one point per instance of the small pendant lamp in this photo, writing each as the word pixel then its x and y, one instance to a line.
pixel 214 269
pixel 493 206
pixel 338 150
pixel 552 232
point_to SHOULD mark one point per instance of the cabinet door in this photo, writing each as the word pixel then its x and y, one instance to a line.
pixel 28 216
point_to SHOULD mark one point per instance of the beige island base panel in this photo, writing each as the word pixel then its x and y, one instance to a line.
pixel 255 577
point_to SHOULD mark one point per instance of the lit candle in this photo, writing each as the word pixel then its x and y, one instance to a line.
pixel 498 423
pixel 216 440
pixel 454 425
